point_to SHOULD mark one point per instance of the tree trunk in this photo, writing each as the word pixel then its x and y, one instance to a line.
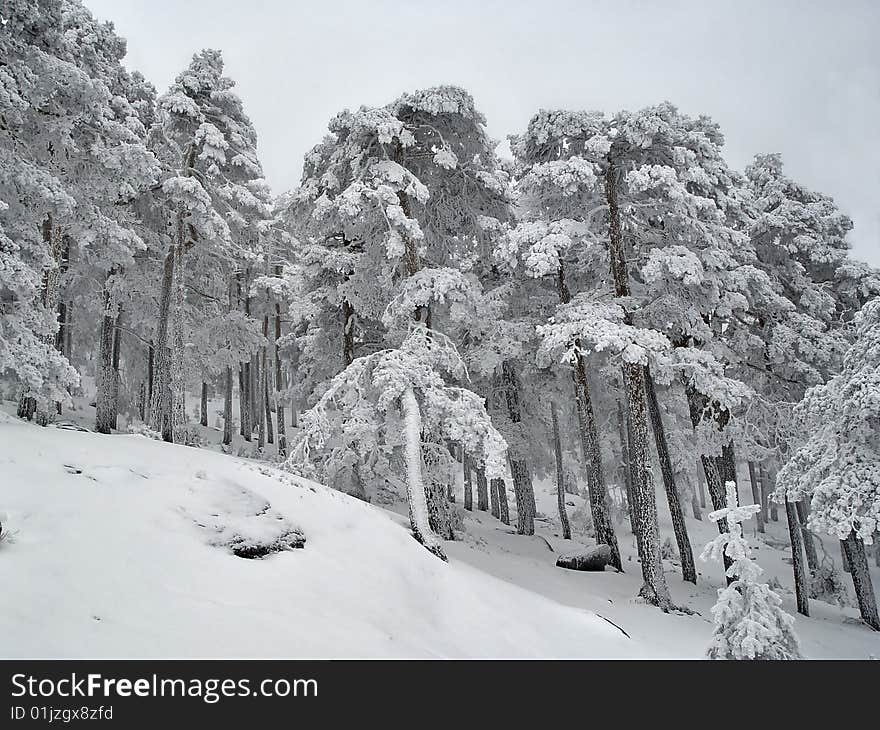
pixel 161 401
pixel 203 405
pixel 227 407
pixel 503 508
pixel 482 489
pixel 151 351
pixel 756 495
pixel 244 418
pixel 105 415
pixel 688 569
pixel 801 587
pixel 493 494
pixel 279 382
pixel 695 506
pixel 809 544
pixel 767 484
pixel 861 577
pixel 625 438
pixel 117 343
pixel 697 403
pixel 522 478
pixel 590 444
pixel 560 476
pixel 468 486
pixel 844 557
pixel 415 492
pixel 654 590
pixel 267 401
pixel 701 481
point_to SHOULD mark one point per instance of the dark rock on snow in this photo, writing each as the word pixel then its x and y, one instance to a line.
pixel 594 559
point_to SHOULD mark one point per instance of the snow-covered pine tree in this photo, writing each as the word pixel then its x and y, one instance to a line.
pixel 837 466
pixel 71 150
pixel 750 622
pixel 213 184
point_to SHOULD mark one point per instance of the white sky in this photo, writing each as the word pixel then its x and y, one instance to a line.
pixel 800 77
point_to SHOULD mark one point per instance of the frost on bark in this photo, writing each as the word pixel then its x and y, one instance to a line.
pixel 105 406
pixel 654 590
pixel 801 587
pixel 560 476
pixel 589 434
pixel 809 544
pixel 482 489
pixel 688 568
pixel 697 405
pixel 415 488
pixel 760 516
pixel 854 549
pixel 523 490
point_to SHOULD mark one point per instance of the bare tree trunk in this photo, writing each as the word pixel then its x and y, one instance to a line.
pixel 756 495
pixel 243 406
pixel 117 343
pixel 468 486
pixel 590 444
pixel 203 405
pixel 654 590
pixel 844 557
pixel 493 494
pixel 150 360
pixel 861 577
pixel 267 401
pixel 279 382
pixel 482 489
pixel 105 416
pixel 695 505
pixel 701 481
pixel 178 377
pixel 519 468
pixel 688 568
pixel 503 509
pixel 767 484
pixel 227 407
pixel 628 478
pixel 802 589
pixel 560 476
pixel 161 401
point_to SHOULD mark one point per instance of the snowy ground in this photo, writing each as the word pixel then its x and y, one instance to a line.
pixel 120 549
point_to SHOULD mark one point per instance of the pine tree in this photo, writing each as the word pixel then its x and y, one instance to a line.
pixel 749 620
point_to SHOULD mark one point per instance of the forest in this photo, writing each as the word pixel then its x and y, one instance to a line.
pixel 428 325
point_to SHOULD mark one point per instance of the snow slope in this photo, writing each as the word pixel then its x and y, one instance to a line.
pixel 112 556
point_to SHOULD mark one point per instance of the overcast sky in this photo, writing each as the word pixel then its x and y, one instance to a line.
pixel 800 77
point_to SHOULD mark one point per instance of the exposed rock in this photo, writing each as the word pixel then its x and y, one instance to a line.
pixel 593 559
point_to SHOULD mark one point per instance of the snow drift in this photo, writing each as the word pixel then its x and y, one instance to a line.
pixel 125 547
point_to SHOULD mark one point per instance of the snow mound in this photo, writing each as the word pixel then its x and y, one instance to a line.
pixel 116 555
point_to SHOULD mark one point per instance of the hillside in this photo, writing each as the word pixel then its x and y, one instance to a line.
pixel 120 548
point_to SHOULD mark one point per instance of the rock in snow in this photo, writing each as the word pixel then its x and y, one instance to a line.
pixel 594 559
